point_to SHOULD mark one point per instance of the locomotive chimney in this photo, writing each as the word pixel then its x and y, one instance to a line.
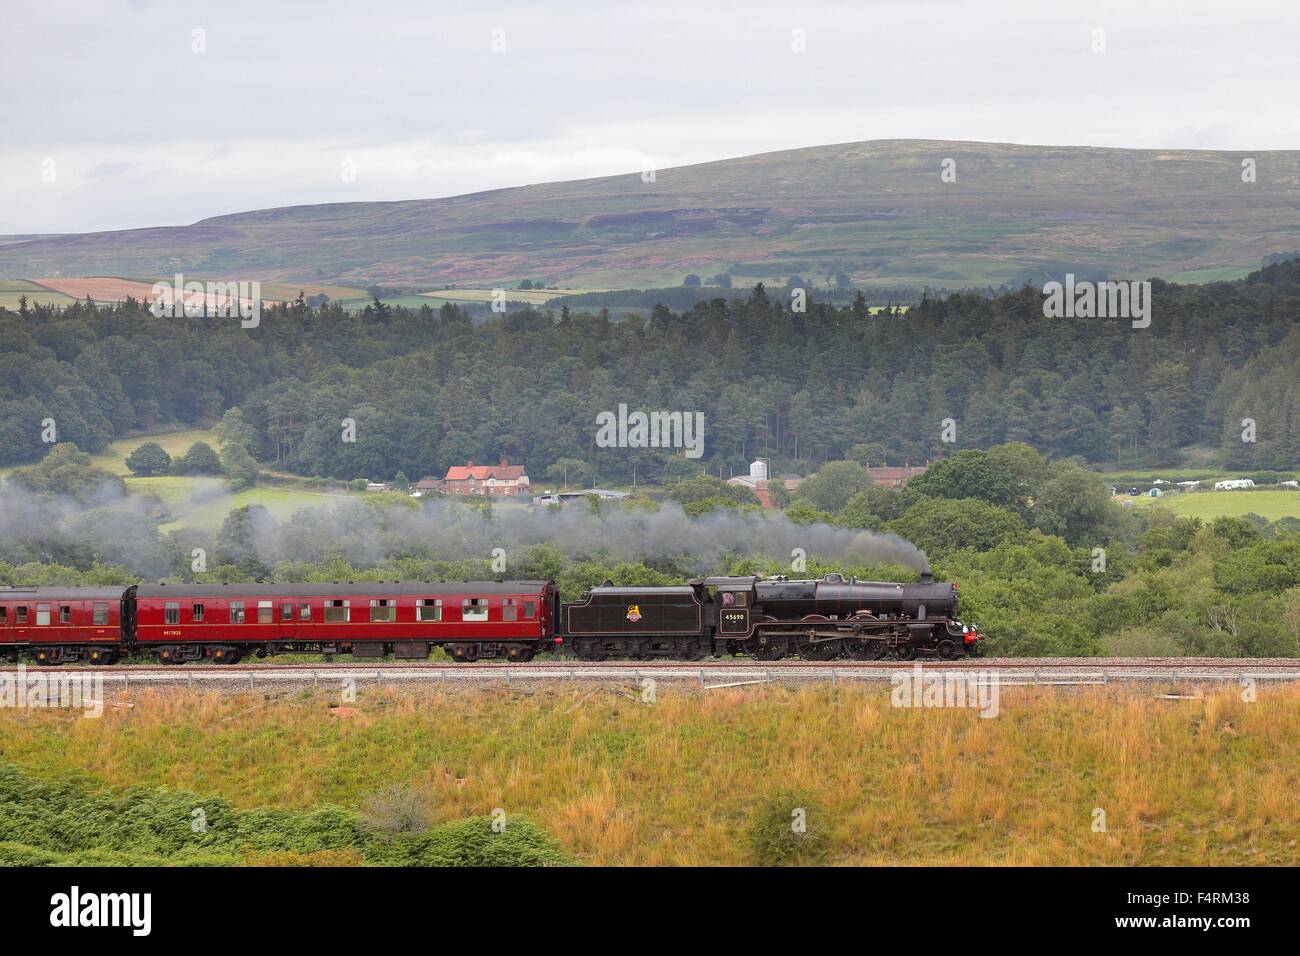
pixel 927 577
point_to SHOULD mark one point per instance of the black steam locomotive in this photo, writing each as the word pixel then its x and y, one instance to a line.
pixel 820 620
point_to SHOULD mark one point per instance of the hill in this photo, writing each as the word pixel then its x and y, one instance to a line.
pixel 876 211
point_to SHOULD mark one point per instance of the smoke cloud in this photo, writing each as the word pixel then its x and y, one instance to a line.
pixel 123 530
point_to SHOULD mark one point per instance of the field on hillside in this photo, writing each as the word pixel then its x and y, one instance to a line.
pixel 1208 505
pixel 113 458
pixel 713 778
pixel 13 290
pixel 203 502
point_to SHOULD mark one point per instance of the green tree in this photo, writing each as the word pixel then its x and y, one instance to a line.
pixel 940 526
pixel 149 459
pixel 834 484
pixel 240 468
pixel 67 470
pixel 200 459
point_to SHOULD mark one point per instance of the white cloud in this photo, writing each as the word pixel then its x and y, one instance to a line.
pixel 144 131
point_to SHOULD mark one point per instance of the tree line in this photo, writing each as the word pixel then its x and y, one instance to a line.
pixel 429 388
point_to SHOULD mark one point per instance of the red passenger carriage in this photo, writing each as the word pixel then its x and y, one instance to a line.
pixel 472 619
pixel 57 624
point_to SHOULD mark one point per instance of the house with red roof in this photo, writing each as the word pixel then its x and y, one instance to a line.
pixel 489 480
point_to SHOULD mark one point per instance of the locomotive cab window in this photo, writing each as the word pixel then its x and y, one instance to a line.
pixel 337 612
pixel 429 609
pixel 474 609
pixel 236 612
pixel 172 612
pixel 101 615
pixel 510 609
pixel 42 615
pixel 383 610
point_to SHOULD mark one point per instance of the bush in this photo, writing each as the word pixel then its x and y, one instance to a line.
pixel 398 809
pixel 786 828
pixel 472 842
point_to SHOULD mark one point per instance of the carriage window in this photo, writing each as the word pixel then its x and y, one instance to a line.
pixel 265 612
pixel 304 612
pixel 196 613
pixel 22 614
pixel 4 615
pixel 337 612
pixel 42 615
pixel 530 609
pixel 236 612
pixel 474 609
pixel 172 612
pixel 429 609
pixel 65 614
pixel 286 612
pixel 510 609
pixel 101 615
pixel 383 610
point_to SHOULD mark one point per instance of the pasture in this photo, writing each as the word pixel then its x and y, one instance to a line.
pixel 1208 505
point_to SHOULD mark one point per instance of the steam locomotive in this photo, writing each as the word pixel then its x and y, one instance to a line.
pixel 768 619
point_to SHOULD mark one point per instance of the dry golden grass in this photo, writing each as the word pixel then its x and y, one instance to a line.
pixel 615 781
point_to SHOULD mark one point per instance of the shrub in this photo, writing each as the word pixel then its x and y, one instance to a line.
pixel 786 828
pixel 398 809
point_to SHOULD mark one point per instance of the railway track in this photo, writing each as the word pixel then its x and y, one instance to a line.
pixel 738 672
pixel 571 664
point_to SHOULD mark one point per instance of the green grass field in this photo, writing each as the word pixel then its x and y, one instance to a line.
pixel 12 290
pixel 1208 505
pixel 203 502
pixel 113 459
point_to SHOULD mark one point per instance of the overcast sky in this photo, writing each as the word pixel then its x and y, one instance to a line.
pixel 135 125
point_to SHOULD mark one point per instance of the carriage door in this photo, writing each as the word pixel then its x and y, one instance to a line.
pixel 733 612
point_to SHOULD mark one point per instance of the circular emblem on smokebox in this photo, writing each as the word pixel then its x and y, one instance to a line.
pixel 634 612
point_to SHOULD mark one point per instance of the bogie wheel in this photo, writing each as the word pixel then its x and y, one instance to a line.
pixel 101 655
pixel 519 653
pixel 688 649
pixel 465 653
pixel 226 655
pixel 949 650
pixel 47 658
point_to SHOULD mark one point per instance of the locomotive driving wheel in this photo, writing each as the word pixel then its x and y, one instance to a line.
pixel 865 650
pixel 765 646
pixel 811 648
